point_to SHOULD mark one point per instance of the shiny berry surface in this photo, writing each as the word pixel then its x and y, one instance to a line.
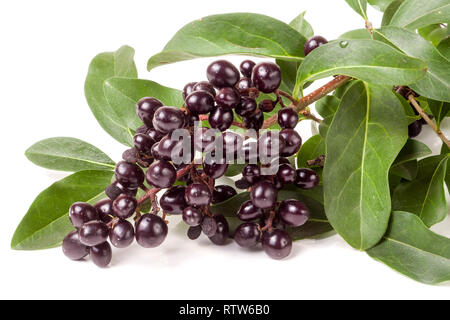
pixel 214 168
pixel 151 231
pixel 205 86
pixel 264 195
pixel 247 107
pixel 246 68
pixel 93 233
pixel 172 201
pixel 249 212
pixel 146 108
pixel 192 216
pixel 161 174
pixel 287 118
pixel 167 119
pixel 222 233
pixel 227 98
pixel 247 235
pixel 115 189
pixel 222 193
pixel 293 213
pixel 129 175
pixel 292 142
pixel 222 74
pixel 314 43
pixel 255 121
pixel 306 178
pixel 104 209
pixel 143 143
pixel 121 234
pixel 124 206
pixel 73 248
pixel 101 254
pixel 200 102
pixel 197 195
pixel 81 212
pixel 286 174
pixel 277 244
pixel 267 105
pixel 167 147
pixel 188 89
pixel 251 173
pixel 243 85
pixel 155 134
pixel 266 76
pixel 221 118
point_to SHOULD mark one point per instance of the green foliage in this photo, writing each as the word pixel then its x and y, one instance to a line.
pixel 380 4
pixel 360 7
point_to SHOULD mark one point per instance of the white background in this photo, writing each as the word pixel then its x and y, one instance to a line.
pixel 46 47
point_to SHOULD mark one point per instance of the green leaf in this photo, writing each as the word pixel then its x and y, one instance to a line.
pixel 236 33
pixel 434 33
pixel 381 5
pixel 409 113
pixel 436 83
pixel 47 222
pixel 68 154
pixel 407 170
pixel 445 150
pixel 357 34
pixel 311 149
pixel 390 12
pixel 123 94
pixel 327 107
pixel 425 195
pixel 413 250
pixel 414 14
pixel 104 66
pixel 439 109
pixel 444 48
pixel 405 165
pixel 366 135
pixel 360 6
pixel 234 169
pixel 302 26
pixel 368 60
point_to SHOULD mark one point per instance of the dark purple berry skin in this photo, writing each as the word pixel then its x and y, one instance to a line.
pixel 192 119
pixel 222 232
pixel 222 74
pixel 142 129
pixel 161 174
pixel 155 134
pixel 200 102
pixel 277 244
pixel 165 148
pixel 278 184
pixel 172 201
pixel 129 175
pixel 287 118
pixel 192 216
pixel 130 155
pixel 270 144
pixel 116 189
pixel 243 85
pixel 249 212
pixel 121 234
pixel 124 206
pixel 221 118
pixel 267 105
pixel 242 184
pixel 209 226
pixel 264 195
pixel 146 108
pixel 73 248
pixel 266 76
pixel 255 121
pixel 246 68
pixel 93 233
pixel 251 173
pixel 286 174
pixel 293 213
pixel 143 143
pixel 81 212
pixel 151 231
pixel 306 179
pixel 167 119
pixel 101 254
pixel 292 142
pixel 188 89
pixel 104 209
pixel 205 86
pixel 227 98
pixel 194 232
pixel 198 195
pixel 222 193
pixel 214 168
pixel 247 235
pixel 247 107
pixel 314 43
pixel 414 129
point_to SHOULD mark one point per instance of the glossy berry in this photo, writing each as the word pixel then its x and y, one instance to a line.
pixel 166 148
pixel 247 235
pixel 205 86
pixel 246 68
pixel 214 168
pixel 255 121
pixel 198 195
pixel 146 108
pixel 161 174
pixel 200 102
pixel 93 233
pixel 221 118
pixel 243 85
pixel 167 119
pixel 267 105
pixel 222 193
pixel 115 189
pixel 151 231
pixel 266 76
pixel 172 201
pixel 277 244
pixel 73 248
pixel 192 216
pixel 314 43
pixel 121 234
pixel 227 98
pixel 101 254
pixel 129 175
pixel 306 179
pixel 155 134
pixel 287 118
pixel 264 195
pixel 292 142
pixel 251 173
pixel 194 232
pixel 209 226
pixel 293 213
pixel 286 174
pixel 222 74
pixel 142 129
pixel 104 209
pixel 191 119
pixel 81 212
pixel 415 128
pixel 143 143
pixel 246 108
pixel 222 232
pixel 249 212
pixel 124 206
pixel 188 89
pixel 130 155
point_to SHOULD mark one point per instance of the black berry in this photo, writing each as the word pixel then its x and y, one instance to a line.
pixel 151 231
pixel 266 76
pixel 222 74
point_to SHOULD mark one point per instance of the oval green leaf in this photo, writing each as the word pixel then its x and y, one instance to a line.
pixel 68 154
pixel 380 4
pixel 360 7
pixel 366 135
pixel 415 14
pixel 405 166
pixel 311 149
